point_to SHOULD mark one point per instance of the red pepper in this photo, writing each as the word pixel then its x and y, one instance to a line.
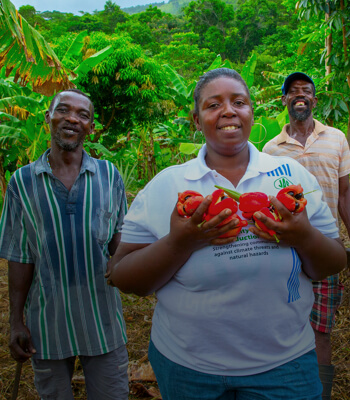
pixel 188 202
pixel 220 202
pixel 236 230
pixel 270 214
pixel 250 202
pixel 293 198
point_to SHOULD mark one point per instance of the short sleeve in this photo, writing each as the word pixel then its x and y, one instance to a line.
pixel 123 206
pixel 13 234
pixel 344 165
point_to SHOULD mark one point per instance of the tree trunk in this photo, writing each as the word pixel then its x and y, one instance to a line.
pixel 328 44
pixel 345 47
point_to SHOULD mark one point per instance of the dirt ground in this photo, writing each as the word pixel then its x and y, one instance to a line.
pixel 138 315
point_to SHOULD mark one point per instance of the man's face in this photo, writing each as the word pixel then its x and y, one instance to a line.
pixel 300 100
pixel 70 120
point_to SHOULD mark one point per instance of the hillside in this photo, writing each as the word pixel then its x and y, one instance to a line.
pixel 172 6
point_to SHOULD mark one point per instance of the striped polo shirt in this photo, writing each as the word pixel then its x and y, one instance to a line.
pixel 325 154
pixel 70 310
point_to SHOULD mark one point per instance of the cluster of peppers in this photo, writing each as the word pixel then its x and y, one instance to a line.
pixel 291 197
pixel 189 200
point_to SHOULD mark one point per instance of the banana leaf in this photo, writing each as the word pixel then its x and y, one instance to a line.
pixel 25 54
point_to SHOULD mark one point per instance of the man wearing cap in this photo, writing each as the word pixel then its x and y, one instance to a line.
pixel 324 151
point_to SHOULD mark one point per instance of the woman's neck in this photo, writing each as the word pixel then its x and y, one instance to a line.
pixel 232 167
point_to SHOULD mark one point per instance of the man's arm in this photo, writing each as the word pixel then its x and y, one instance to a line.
pixel 20 277
pixel 344 201
pixel 113 244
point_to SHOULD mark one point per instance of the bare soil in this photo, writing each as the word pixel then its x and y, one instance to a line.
pixel 138 316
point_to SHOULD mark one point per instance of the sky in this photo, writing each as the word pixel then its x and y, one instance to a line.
pixel 74 6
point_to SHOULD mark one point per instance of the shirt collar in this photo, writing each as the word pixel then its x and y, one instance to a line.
pixel 283 137
pixel 258 163
pixel 88 164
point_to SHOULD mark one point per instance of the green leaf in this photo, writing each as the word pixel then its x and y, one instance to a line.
pixel 249 69
pixel 343 106
pixel 99 147
pixel 283 118
pixel 4 116
pixel 263 130
pixel 177 80
pixel 92 61
pixel 216 63
pixel 27 56
pixel 76 47
pixel 190 148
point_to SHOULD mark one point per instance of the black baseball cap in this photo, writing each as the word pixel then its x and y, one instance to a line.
pixel 296 76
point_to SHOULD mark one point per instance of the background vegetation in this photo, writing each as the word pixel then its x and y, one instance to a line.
pixel 140 68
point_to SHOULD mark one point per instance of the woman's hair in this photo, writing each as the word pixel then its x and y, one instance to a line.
pixel 210 76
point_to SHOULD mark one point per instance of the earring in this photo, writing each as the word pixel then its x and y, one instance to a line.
pixel 258 123
pixel 198 133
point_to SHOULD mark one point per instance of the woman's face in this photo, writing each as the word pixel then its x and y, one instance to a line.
pixel 225 115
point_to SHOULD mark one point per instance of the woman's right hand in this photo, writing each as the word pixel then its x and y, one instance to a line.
pixel 142 268
pixel 193 233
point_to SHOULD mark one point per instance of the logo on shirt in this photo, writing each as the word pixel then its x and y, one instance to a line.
pixel 281 183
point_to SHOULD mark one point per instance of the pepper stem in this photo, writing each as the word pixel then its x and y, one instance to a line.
pixel 277 240
pixel 311 191
pixel 200 225
pixel 231 193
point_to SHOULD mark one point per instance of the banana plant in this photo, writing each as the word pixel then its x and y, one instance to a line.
pixel 26 55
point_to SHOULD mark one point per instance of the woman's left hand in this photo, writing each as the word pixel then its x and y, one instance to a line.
pixel 291 230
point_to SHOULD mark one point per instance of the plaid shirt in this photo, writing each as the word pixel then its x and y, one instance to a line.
pixel 70 310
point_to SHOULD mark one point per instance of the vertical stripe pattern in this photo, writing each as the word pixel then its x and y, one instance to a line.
pixel 70 310
pixel 293 281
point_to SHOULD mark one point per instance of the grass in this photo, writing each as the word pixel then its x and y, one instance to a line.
pixel 138 314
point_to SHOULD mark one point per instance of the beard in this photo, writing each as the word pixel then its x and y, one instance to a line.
pixel 300 115
pixel 66 145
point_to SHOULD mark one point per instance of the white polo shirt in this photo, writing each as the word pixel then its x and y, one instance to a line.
pixel 238 309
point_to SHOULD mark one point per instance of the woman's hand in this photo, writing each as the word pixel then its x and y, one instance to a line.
pixel 194 233
pixel 320 256
pixel 291 230
pixel 142 268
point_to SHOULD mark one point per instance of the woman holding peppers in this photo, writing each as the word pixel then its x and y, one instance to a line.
pixel 232 317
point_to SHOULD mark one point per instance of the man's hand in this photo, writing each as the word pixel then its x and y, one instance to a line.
pixel 21 346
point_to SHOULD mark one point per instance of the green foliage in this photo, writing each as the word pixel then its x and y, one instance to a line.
pixel 23 135
pixel 140 71
pixel 126 87
pixel 212 20
pixel 26 55
pixel 127 173
pixel 184 54
pixel 263 130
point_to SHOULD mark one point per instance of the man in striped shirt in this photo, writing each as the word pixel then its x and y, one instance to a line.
pixel 60 223
pixel 324 151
